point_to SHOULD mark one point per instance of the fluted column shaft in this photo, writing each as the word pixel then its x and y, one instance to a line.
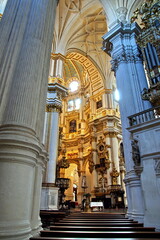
pixel 53 146
pixel 56 92
pixel 114 152
pixel 25 44
pixel 127 65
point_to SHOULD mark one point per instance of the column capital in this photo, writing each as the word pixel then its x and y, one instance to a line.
pixel 57 89
pixel 120 44
pixel 56 92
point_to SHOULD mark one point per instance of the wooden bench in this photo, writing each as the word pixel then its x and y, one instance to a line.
pixel 94 226
pixel 50 217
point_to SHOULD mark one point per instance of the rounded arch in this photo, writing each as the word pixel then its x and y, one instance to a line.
pixel 85 163
pixel 77 162
pixel 95 75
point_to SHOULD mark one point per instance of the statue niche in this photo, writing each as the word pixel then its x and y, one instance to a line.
pixel 135 152
pixel 72 126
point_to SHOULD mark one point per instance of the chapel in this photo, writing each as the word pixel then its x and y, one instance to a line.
pixel 79 110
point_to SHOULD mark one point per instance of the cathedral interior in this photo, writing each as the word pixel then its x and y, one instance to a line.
pixel 80 110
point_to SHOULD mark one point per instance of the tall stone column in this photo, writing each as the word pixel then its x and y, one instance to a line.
pixel 94 154
pixel 25 44
pixel 114 152
pixel 127 64
pixel 56 92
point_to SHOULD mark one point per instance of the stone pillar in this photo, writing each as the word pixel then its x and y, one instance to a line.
pixel 127 64
pixel 134 191
pixel 122 176
pixel 81 172
pixel 56 92
pixel 80 190
pixel 114 152
pixel 25 43
pixel 107 98
pixel 94 154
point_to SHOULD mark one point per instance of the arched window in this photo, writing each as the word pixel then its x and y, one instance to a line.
pixel 72 126
pixel 2 5
pixel 74 104
pixel 73 86
pixel 116 95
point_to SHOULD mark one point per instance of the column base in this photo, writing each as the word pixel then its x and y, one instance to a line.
pixel 11 230
pixel 36 231
pixel 137 217
pixel 49 198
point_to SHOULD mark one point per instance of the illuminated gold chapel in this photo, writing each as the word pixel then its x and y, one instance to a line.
pixel 79 104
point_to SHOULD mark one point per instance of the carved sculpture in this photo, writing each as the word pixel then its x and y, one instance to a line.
pixel 135 152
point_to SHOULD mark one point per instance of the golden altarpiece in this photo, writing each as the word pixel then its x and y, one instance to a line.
pixel 90 137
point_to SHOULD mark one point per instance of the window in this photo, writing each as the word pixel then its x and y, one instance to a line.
pixel 116 95
pixel 74 104
pixel 70 105
pixel 77 103
pixel 73 86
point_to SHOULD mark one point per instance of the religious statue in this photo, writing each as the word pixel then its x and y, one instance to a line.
pixel 135 152
pixel 83 181
pixel 121 150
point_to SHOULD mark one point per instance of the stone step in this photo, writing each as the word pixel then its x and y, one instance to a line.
pixel 100 228
pixel 109 224
pixel 100 234
pixel 96 221
pixel 59 238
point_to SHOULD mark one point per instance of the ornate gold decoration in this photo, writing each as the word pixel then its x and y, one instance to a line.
pixel 149 12
pixel 103 155
pixel 94 76
pixel 149 40
pixel 63 162
pixel 114 174
pixel 102 148
pixel 71 143
pixel 91 163
pixel 72 155
pixel 103 182
pixel 153 95
pixel 56 80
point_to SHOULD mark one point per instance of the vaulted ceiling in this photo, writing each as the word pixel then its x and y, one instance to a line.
pixel 79 27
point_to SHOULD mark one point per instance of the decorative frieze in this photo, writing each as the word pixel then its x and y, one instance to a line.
pixel 120 44
pixel 114 174
pixel 54 105
pixel 125 57
pixel 56 92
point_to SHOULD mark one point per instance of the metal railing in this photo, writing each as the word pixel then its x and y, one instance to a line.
pixel 145 116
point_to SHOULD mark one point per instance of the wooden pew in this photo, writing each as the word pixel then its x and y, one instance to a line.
pixel 49 217
pixel 100 234
pixel 97 226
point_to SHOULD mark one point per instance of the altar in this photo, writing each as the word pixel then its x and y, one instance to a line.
pixel 96 206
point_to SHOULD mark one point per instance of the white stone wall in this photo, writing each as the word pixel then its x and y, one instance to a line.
pixel 148 135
